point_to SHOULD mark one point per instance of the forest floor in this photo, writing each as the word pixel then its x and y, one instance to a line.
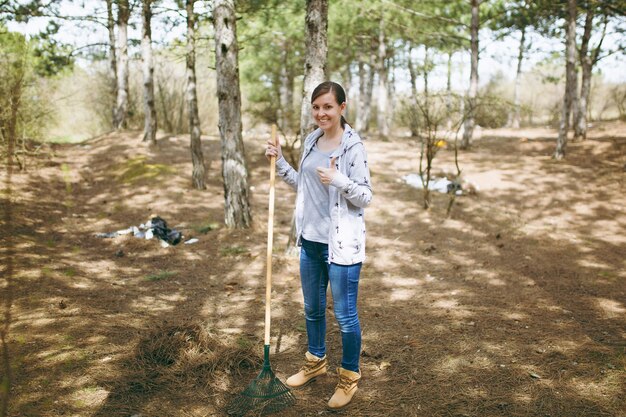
pixel 513 305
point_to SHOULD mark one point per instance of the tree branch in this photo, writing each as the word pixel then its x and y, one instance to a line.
pixel 424 15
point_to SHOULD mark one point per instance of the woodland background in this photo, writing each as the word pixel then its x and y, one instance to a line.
pixel 508 299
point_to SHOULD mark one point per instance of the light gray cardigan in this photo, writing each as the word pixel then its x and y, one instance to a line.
pixel 350 193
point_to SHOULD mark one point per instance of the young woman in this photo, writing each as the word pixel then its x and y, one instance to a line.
pixel 332 188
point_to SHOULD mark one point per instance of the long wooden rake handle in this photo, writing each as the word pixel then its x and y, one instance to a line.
pixel 270 243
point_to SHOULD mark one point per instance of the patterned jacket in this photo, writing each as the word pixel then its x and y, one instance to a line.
pixel 350 193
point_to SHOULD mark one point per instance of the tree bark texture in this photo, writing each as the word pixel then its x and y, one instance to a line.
pixel 516 116
pixel 122 64
pixel 112 60
pixel 197 157
pixel 580 124
pixel 150 115
pixel 234 170
pixel 316 54
pixel 468 130
pixel 383 94
pixel 570 77
pixel 588 58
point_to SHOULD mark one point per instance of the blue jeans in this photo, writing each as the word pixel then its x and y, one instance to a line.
pixel 315 274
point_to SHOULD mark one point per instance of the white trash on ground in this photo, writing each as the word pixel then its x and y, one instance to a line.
pixel 442 185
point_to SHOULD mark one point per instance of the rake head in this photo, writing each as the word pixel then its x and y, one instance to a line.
pixel 266 394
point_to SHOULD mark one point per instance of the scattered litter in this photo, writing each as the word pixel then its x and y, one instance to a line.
pixel 160 230
pixel 534 375
pixel 442 185
pixel 155 227
pixel 190 241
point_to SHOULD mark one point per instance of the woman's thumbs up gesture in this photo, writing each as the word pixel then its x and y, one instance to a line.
pixel 327 174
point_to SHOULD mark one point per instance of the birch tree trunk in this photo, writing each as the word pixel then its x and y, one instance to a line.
pixel 197 157
pixel 316 30
pixel 122 64
pixel 112 60
pixel 570 75
pixel 234 170
pixel 383 127
pixel 515 117
pixel 473 88
pixel 150 122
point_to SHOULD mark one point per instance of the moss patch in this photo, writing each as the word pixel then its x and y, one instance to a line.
pixel 137 169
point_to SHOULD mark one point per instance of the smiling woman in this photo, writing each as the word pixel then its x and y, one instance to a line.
pixel 333 188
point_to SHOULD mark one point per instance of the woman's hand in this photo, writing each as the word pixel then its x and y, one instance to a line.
pixel 327 174
pixel 272 149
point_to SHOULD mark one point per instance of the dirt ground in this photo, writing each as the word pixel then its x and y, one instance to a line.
pixel 514 305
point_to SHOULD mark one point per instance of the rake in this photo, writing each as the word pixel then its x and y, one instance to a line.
pixel 266 393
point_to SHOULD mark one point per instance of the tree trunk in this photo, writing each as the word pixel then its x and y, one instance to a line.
pixel 122 64
pixel 383 94
pixel 112 60
pixel 234 170
pixel 473 88
pixel 515 117
pixel 366 87
pixel 197 157
pixel 570 77
pixel 413 119
pixel 580 124
pixel 150 124
pixel 587 60
pixel 316 30
pixel 358 111
pixel 574 94
pixel 426 71
pixel 449 91
pixel 347 86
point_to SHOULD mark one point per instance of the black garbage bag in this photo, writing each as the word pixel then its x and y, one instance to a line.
pixel 160 230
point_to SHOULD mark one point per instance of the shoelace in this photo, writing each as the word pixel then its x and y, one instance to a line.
pixel 344 383
pixel 310 365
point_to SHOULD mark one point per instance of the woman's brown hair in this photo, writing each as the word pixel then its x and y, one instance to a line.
pixel 338 92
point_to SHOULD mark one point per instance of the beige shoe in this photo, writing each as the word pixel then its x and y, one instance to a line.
pixel 345 389
pixel 313 368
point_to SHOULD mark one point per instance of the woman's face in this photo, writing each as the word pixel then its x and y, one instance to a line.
pixel 326 112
